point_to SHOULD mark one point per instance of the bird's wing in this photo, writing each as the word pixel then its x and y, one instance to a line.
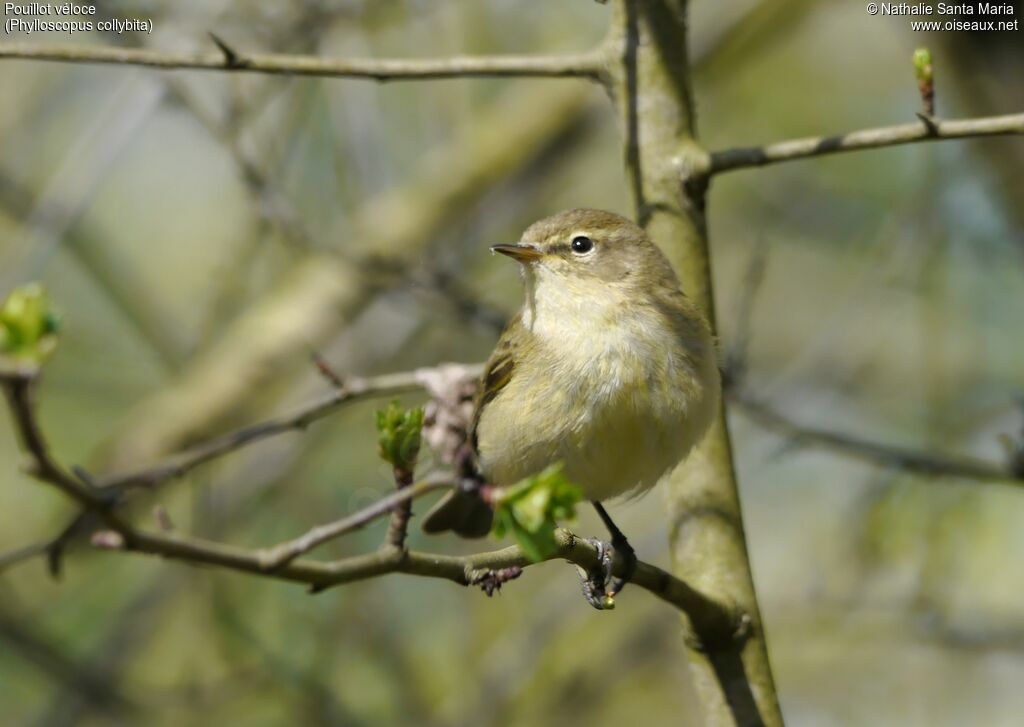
pixel 497 372
pixel 465 512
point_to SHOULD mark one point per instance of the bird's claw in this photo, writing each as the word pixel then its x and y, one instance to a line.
pixel 595 580
pixel 599 585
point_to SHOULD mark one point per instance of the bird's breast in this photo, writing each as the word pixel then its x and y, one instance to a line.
pixel 614 394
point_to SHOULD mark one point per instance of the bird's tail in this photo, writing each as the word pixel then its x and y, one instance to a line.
pixel 462 512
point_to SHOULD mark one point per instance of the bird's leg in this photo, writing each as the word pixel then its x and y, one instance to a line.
pixel 620 545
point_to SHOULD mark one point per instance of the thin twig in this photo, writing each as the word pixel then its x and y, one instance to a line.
pixel 784 151
pixel 283 553
pixel 352 389
pixel 348 390
pixel 88 244
pixel 74 676
pixel 18 387
pixel 581 65
pixel 19 555
pixel 924 463
pixel 273 204
pixel 327 291
pixel 324 368
pixel 401 513
pixel 734 368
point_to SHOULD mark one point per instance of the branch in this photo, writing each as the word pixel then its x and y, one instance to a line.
pixel 113 487
pixel 17 386
pixel 580 65
pixel 401 513
pixel 286 552
pixel 351 389
pixel 19 555
pixel 73 675
pixel 464 570
pixel 928 129
pixel 273 205
pixel 649 74
pixel 923 463
pixel 88 243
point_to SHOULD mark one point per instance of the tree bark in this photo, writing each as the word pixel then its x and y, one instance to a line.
pixel 648 75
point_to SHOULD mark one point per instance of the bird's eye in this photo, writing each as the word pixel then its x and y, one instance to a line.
pixel 582 244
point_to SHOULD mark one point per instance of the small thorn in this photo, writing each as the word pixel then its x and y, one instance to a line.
pixel 326 371
pixel 930 122
pixel 231 58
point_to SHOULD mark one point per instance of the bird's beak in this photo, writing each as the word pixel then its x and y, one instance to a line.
pixel 520 251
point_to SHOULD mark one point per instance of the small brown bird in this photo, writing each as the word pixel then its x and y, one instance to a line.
pixel 607 368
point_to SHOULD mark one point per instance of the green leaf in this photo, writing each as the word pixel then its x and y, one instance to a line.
pixel 399 435
pixel 923 64
pixel 28 325
pixel 529 511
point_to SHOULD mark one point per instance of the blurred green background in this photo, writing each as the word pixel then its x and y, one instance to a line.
pixel 188 226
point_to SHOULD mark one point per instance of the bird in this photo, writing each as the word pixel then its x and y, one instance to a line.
pixel 608 368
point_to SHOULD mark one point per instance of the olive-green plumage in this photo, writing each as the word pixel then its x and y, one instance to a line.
pixel 607 367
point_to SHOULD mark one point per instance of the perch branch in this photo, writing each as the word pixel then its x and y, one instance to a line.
pixel 464 570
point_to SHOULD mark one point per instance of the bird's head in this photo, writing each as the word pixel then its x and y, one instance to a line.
pixel 589 245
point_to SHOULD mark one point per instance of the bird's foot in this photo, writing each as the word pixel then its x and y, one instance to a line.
pixel 595 580
pixel 599 585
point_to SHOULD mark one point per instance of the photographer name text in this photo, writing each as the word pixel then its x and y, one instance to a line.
pixel 961 16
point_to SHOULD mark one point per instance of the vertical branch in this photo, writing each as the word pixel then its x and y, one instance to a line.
pixel 399 524
pixel 648 75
